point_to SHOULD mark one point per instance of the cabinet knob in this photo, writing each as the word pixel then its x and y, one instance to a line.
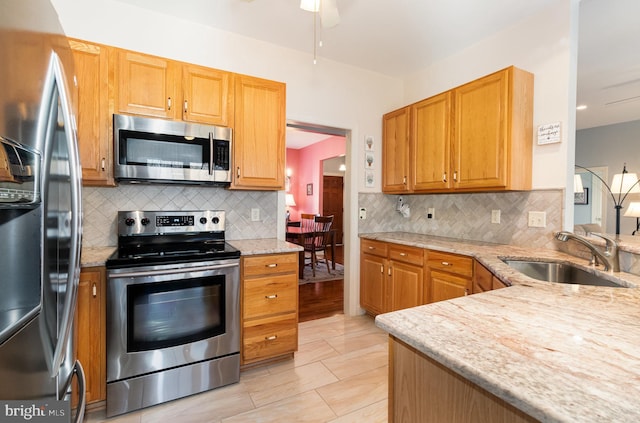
pixel 169 103
pixel 271 297
pixel 271 338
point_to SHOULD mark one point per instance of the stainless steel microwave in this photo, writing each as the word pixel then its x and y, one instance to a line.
pixel 163 151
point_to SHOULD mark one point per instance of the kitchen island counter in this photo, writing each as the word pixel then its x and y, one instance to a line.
pixel 557 352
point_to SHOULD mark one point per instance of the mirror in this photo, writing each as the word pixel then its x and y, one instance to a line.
pixel 609 85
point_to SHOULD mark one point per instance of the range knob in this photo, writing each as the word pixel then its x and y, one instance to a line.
pixel 203 220
pixel 145 221
pixel 215 220
pixel 129 221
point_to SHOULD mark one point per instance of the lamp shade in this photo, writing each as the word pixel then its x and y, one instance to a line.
pixel 310 5
pixel 624 183
pixel 289 200
pixel 577 183
pixel 633 210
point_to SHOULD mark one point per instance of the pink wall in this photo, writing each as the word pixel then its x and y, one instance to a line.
pixel 306 168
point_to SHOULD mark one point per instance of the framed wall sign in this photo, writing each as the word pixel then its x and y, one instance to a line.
pixel 581 197
pixel 309 189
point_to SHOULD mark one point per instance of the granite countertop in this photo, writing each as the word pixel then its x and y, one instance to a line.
pixel 558 352
pixel 97 256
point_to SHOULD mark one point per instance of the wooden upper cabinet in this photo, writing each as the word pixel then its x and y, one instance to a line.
pixel 493 132
pixel 476 137
pixel 94 74
pixel 259 133
pixel 147 85
pixel 431 143
pixel 395 151
pixel 207 95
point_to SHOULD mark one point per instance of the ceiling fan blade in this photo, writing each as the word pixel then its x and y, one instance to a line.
pixel 329 15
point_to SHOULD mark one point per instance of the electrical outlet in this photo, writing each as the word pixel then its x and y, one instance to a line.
pixel 495 216
pixel 255 215
pixel 537 219
pixel 431 213
pixel 362 213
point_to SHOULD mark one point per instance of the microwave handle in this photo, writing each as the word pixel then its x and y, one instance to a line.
pixel 210 153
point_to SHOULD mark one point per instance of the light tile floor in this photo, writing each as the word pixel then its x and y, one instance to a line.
pixel 338 375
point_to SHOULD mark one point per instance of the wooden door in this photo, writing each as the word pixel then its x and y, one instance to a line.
pixel 259 138
pixel 372 283
pixel 94 117
pixel 444 286
pixel 91 331
pixel 406 285
pixel 395 151
pixel 480 131
pixel 332 202
pixel 431 143
pixel 207 95
pixel 147 85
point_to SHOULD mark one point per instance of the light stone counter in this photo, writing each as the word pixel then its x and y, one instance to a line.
pixel 264 246
pixel 95 256
pixel 558 352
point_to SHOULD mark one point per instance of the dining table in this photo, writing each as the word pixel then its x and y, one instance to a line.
pixel 297 235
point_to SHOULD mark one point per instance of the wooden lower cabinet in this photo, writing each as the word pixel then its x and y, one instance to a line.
pixel 391 276
pixel 423 391
pixel 91 331
pixel 269 307
pixel 484 280
pixel 450 275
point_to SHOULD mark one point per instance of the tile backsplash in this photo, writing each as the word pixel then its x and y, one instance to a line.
pixel 101 205
pixel 468 216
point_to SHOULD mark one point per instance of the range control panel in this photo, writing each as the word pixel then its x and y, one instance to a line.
pixel 140 222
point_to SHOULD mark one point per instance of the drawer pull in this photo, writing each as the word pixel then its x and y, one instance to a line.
pixel 94 290
pixel 272 265
pixel 446 263
pixel 403 254
pixel 271 297
pixel 271 338
pixel 381 269
pixel 372 248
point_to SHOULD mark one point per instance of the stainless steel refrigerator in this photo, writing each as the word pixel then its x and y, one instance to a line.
pixel 40 216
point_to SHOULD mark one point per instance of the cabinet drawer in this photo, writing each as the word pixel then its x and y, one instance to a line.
pixel 377 248
pixel 406 254
pixel 270 338
pixel 452 263
pixel 270 295
pixel 270 264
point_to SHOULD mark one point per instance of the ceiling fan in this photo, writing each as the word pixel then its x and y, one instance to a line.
pixel 327 9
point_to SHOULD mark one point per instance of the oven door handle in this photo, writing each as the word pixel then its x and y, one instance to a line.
pixel 137 274
pixel 211 156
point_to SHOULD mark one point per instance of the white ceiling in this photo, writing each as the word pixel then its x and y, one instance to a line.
pixel 397 38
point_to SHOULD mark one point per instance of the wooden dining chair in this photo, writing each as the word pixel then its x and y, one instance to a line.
pixel 318 242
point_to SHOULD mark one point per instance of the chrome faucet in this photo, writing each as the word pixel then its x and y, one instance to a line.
pixel 608 257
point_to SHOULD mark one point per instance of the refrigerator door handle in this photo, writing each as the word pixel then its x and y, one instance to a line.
pixel 78 371
pixel 56 79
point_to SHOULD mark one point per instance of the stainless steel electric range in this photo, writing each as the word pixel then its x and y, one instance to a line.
pixel 173 308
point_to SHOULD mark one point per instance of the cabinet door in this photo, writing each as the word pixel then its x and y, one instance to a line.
pixel 207 95
pixel 91 327
pixel 480 133
pixel 430 143
pixel 444 286
pixel 259 137
pixel 146 85
pixel 372 283
pixel 482 278
pixel 406 285
pixel 395 151
pixel 94 117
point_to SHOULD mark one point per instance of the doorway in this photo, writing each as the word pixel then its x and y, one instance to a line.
pixel 316 160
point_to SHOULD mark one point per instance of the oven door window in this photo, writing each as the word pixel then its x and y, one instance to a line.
pixel 165 314
pixel 169 151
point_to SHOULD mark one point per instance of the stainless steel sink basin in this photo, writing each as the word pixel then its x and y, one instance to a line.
pixel 551 271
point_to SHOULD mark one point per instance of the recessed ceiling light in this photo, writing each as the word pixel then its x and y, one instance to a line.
pixel 581 107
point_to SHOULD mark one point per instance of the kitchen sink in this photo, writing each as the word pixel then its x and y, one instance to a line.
pixel 551 271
